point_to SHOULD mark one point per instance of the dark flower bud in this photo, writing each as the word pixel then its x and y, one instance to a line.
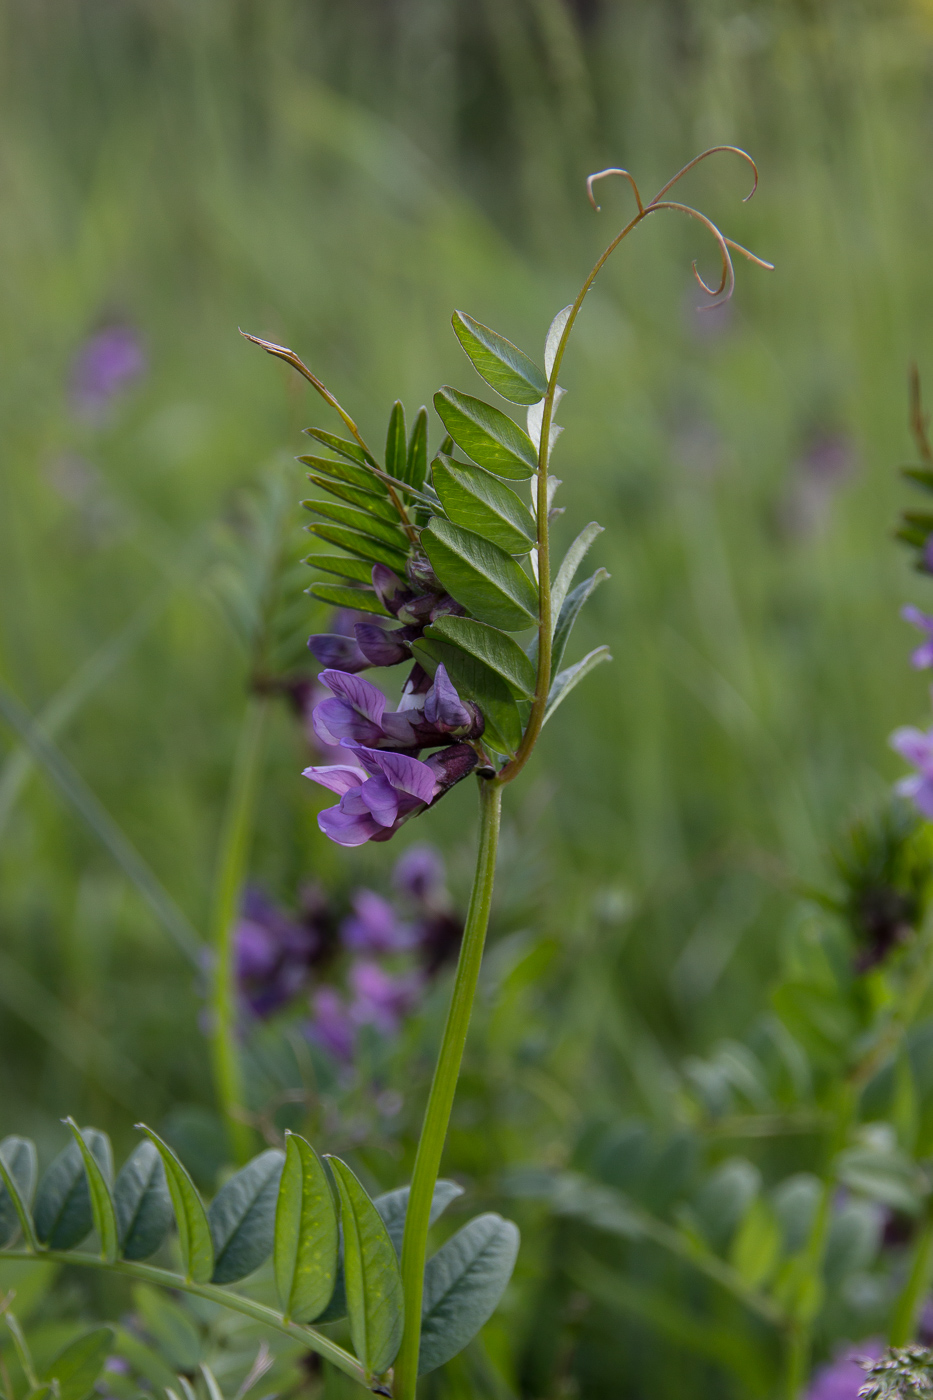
pixel 341 653
pixel 421 575
pixel 390 590
pixel 447 607
pixel 444 709
pixel 381 646
pixel 452 764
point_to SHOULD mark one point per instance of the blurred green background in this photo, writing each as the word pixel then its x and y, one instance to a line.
pixel 339 178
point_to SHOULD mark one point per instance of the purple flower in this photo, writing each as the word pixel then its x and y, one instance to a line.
pixel 331 1026
pixel 419 873
pixel 428 715
pixel 336 650
pixel 273 954
pixel 107 363
pixel 380 999
pixel 843 1378
pixel 917 747
pixel 374 926
pixel 922 658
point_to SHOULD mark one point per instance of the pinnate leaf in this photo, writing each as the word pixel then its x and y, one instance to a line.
pixel 242 1217
pixel 360 599
pixel 362 520
pixel 508 369
pixel 194 1231
pixel 350 450
pixel 463 1283
pixel 63 1214
pixel 18 1168
pixel 373 1280
pixel 380 506
pixel 306 1234
pixel 565 680
pixel 497 650
pixel 481 576
pixel 142 1202
pixel 479 501
pixel 344 565
pixel 352 473
pixel 486 434
pixel 105 1219
pixel 362 545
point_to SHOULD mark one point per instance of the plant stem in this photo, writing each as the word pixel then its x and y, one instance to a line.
pixel 231 872
pixel 443 1088
pixel 164 1278
pixel 907 1307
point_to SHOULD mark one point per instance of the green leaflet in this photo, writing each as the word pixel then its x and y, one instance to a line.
pixel 360 599
pixel 497 650
pixel 486 434
pixel 552 340
pixel 365 500
pixel 481 576
pixel 479 501
pixel 569 613
pixel 18 1168
pixel 105 1219
pixel 342 564
pixel 194 1232
pixel 416 467
pixel 169 1325
pixel 351 450
pixel 361 478
pixel 373 1280
pixel 565 681
pixel 306 1234
pixel 475 681
pixel 142 1202
pixel 76 1368
pixel 463 1283
pixel 242 1217
pixel 361 520
pixel 397 444
pixel 506 368
pixel 393 1206
pixel 569 565
pixel 63 1214
pixel 363 545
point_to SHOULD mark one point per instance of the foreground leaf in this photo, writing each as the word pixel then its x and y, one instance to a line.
pixel 497 650
pixel 570 612
pixel 194 1231
pixel 397 443
pixel 479 501
pixel 481 576
pixel 486 434
pixel 105 1219
pixel 361 478
pixel 508 369
pixel 306 1234
pixel 475 681
pixel 344 565
pixel 363 545
pixel 463 1284
pixel 77 1367
pixel 242 1217
pixel 63 1214
pixel 18 1168
pixel 565 681
pixel 373 1280
pixel 416 467
pixel 142 1203
pixel 364 521
pixel 393 1207
pixel 356 496
pixel 344 446
pixel 360 599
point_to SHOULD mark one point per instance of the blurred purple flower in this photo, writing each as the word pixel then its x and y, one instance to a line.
pixel 917 748
pixel 381 999
pixel 374 926
pixel 843 1378
pixel 331 1026
pixel 275 952
pixel 419 873
pixel 107 363
pixel 922 658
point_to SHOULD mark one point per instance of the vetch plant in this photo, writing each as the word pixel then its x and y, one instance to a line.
pixel 445 548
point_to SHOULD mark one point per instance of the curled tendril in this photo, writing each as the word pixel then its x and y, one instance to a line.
pixel 727 281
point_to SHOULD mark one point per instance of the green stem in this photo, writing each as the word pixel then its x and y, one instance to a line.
pixel 443 1088
pixel 231 872
pixel 907 1308
pixel 164 1278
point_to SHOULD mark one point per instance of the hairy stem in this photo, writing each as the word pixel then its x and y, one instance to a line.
pixel 164 1278
pixel 443 1088
pixel 231 872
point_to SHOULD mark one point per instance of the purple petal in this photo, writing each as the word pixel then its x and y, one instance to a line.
pixel 374 926
pixel 346 829
pixel 380 646
pixel 443 706
pixel 336 719
pixel 332 1027
pixel 920 792
pixel 364 697
pixel 332 649
pixel 381 799
pixel 390 590
pixel 404 773
pixel 913 745
pixel 339 778
pixel 419 873
pixel 922 658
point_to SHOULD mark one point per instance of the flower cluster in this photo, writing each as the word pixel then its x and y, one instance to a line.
pixel 378 957
pixel 384 781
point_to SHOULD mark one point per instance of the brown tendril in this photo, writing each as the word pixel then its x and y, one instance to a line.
pixel 711 151
pixel 601 175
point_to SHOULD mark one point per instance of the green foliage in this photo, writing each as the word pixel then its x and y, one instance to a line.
pixel 142 1203
pixel 194 1232
pixel 373 1281
pixel 479 501
pixel 306 1234
pixel 463 1283
pixel 241 1217
pixel 481 575
pixel 63 1214
pixel 508 369
pixel 486 434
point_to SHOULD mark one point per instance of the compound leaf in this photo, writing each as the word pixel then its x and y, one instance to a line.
pixel 359 477
pixel 344 565
pixel 364 500
pixel 463 1283
pixel 142 1202
pixel 105 1219
pixel 306 1234
pixel 363 545
pixel 359 599
pixel 497 650
pixel 18 1168
pixel 479 501
pixel 351 450
pixel 361 520
pixel 486 434
pixel 373 1279
pixel 194 1231
pixel 480 575
pixel 508 369
pixel 63 1213
pixel 242 1217
pixel 552 340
